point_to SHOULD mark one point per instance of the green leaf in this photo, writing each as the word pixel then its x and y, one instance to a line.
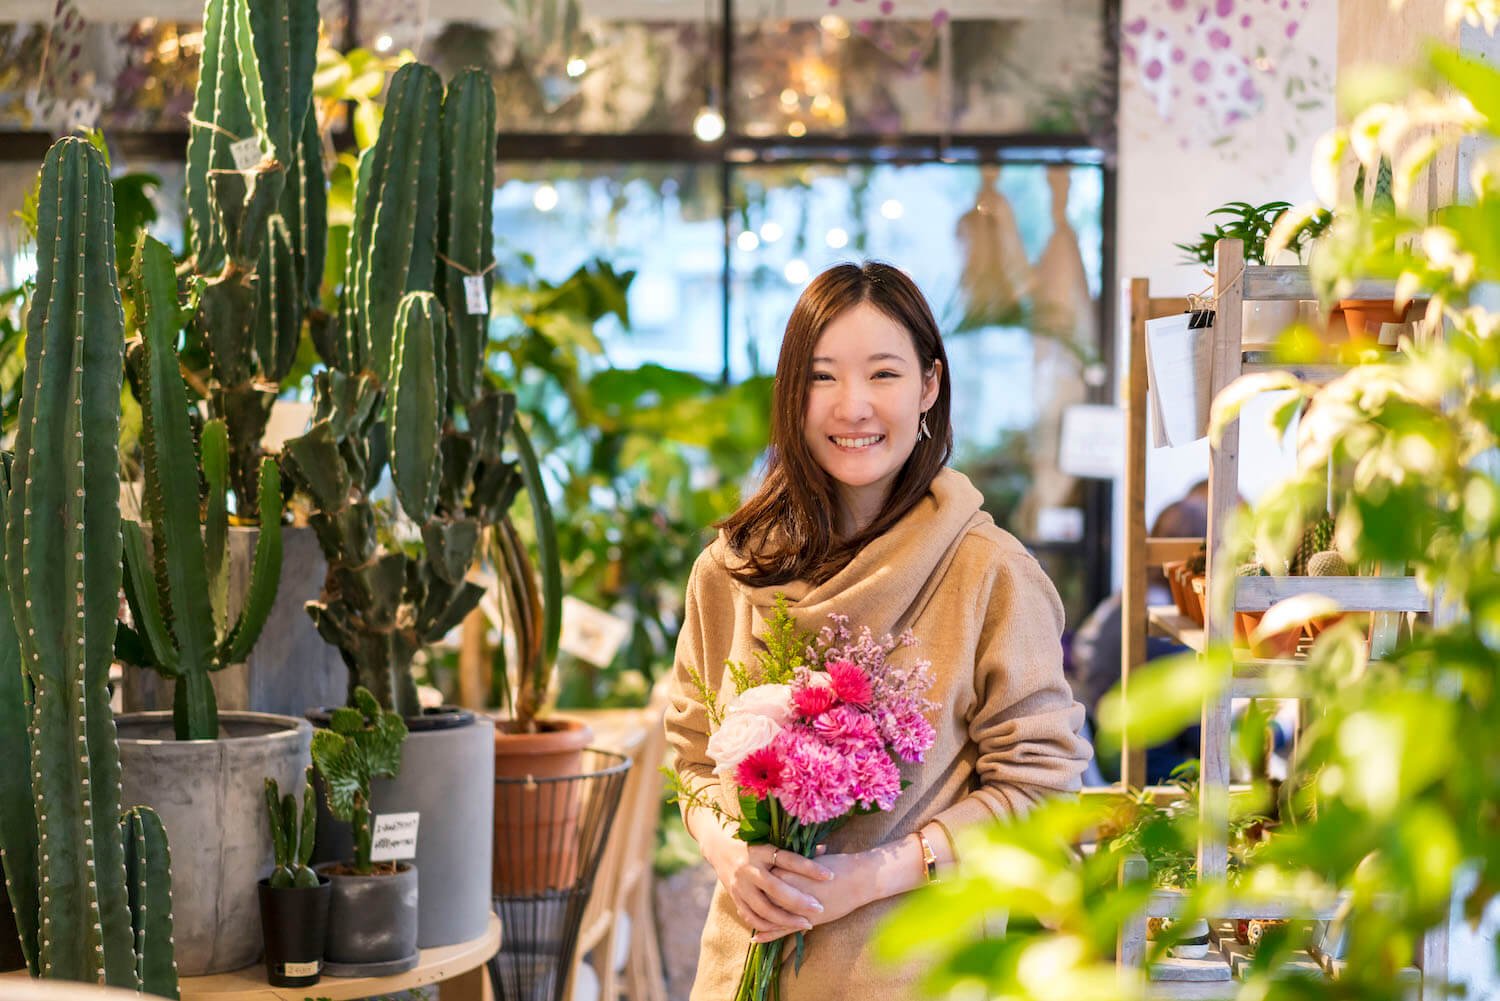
pixel 1166 695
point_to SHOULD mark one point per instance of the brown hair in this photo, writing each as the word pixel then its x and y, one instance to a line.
pixel 786 531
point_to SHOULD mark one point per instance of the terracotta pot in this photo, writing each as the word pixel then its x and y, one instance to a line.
pixel 1198 588
pixel 1169 571
pixel 536 824
pixel 1282 644
pixel 1363 317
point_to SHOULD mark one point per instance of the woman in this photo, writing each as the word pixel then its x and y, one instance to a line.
pixel 858 515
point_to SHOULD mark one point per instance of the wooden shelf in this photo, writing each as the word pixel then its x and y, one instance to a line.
pixel 436 965
pixel 1281 282
pixel 1166 904
pixel 1265 361
pixel 1169 622
pixel 1356 594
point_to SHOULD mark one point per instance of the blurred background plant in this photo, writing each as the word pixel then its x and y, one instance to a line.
pixel 1394 788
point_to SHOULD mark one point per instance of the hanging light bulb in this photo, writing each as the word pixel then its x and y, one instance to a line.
pixel 544 198
pixel 708 124
pixel 384 43
pixel 577 67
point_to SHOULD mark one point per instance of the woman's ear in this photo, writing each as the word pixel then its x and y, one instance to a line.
pixel 931 383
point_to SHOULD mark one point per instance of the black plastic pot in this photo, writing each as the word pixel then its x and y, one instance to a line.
pixel 295 923
pixel 372 922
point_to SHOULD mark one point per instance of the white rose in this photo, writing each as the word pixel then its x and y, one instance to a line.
pixel 771 701
pixel 740 734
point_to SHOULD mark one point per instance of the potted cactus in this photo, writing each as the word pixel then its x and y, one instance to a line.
pixel 406 391
pixel 202 782
pixel 106 915
pixel 294 898
pixel 372 912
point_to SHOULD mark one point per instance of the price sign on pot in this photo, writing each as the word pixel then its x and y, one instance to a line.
pixel 395 837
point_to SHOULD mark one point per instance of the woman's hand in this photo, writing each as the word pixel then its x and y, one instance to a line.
pixel 846 891
pixel 756 879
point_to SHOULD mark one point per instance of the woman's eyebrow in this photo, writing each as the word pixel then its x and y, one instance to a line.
pixel 882 356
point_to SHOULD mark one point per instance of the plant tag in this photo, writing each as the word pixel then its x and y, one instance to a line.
pixel 302 969
pixel 394 837
pixel 477 303
pixel 590 633
pixel 246 153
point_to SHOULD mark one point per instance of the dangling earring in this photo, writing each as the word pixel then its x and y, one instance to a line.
pixel 922 433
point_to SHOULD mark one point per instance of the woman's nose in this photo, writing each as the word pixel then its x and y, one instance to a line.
pixel 853 403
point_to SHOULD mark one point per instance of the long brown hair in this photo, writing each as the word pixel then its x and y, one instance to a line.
pixel 787 530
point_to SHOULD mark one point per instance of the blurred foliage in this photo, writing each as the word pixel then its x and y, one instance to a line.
pixel 1392 796
pixel 639 461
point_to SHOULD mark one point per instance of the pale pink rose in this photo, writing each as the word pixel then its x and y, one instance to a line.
pixel 740 734
pixel 772 701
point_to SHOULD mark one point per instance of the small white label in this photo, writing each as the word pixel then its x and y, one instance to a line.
pixel 302 969
pixel 590 633
pixel 395 837
pixel 475 300
pixel 1093 441
pixel 246 153
pixel 1059 524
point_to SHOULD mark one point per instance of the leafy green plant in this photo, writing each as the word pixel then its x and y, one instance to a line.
pixel 1389 794
pixel 1252 224
pixel 362 743
pixel 292 836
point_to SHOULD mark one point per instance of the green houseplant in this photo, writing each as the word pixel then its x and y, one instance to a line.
pixel 90 890
pixel 1388 793
pixel 372 914
pixel 294 898
pixel 182 628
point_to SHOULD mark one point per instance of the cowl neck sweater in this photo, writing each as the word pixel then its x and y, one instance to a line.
pixel 987 618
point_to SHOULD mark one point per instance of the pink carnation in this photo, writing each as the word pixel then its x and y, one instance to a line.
pixel 850 683
pixel 911 736
pixel 760 772
pixel 812 701
pixel 815 778
pixel 877 781
pixel 844 725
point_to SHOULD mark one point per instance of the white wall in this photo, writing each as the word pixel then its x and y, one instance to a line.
pixel 1179 158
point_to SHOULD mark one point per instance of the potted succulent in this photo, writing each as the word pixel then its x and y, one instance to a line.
pixel 406 390
pixel 294 898
pixel 372 908
pixel 203 782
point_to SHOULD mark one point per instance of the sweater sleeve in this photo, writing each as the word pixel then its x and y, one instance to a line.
pixel 687 720
pixel 1025 724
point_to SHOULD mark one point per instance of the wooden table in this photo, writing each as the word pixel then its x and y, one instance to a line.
pixel 457 969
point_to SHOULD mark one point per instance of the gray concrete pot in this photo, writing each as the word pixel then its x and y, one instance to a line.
pixel 211 798
pixel 372 922
pixel 448 776
pixel 291 669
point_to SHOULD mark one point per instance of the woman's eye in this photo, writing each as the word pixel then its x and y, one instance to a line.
pixel 821 377
pixel 887 374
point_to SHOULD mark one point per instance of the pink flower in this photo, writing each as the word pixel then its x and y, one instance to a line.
pixel 813 700
pixel 911 736
pixel 760 772
pixel 850 683
pixel 737 736
pixel 843 725
pixel 815 778
pixel 877 781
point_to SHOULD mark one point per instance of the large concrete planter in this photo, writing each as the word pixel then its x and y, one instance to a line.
pixel 291 669
pixel 447 776
pixel 211 798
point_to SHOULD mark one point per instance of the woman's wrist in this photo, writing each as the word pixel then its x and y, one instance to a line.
pixel 895 868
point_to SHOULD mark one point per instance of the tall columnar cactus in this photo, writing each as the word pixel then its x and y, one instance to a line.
pixel 91 892
pixel 393 242
pixel 292 836
pixel 465 224
pixel 362 743
pixel 419 377
pixel 258 229
pixel 183 627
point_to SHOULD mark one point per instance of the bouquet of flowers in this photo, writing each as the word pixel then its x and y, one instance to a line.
pixel 811 738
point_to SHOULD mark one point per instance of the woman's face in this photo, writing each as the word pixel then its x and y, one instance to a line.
pixel 866 396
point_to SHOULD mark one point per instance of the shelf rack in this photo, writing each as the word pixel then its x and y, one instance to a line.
pixel 1387 596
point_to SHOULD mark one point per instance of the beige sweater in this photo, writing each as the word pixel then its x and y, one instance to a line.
pixel 987 617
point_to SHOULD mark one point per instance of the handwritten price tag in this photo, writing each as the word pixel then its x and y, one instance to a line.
pixel 246 153
pixel 394 837
pixel 477 303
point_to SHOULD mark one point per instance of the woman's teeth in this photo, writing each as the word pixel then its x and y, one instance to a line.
pixel 857 442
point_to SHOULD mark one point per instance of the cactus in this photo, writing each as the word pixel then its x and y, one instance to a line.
pixel 291 837
pixel 1327 564
pixel 465 223
pixel 417 394
pixel 1316 537
pixel 393 242
pixel 91 891
pixel 362 743
pixel 258 234
pixel 1250 570
pixel 183 629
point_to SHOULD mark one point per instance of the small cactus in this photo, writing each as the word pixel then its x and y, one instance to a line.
pixel 1328 563
pixel 1198 564
pixel 1316 538
pixel 1250 570
pixel 363 742
pixel 291 836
